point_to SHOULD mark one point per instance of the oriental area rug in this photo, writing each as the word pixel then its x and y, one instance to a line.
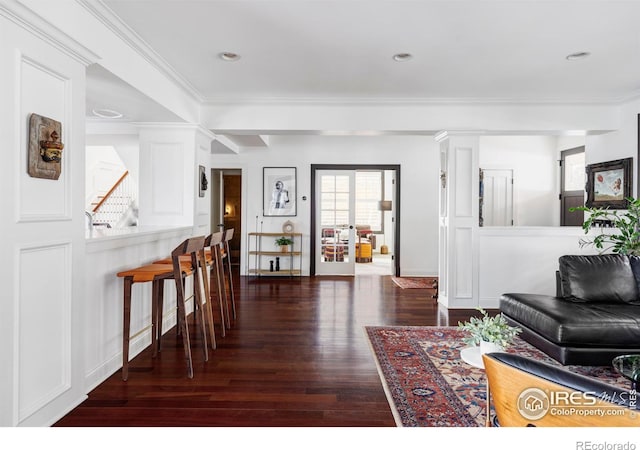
pixel 428 385
pixel 415 282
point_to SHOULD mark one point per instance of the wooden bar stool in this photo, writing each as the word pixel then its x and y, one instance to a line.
pixel 227 255
pixel 157 274
pixel 205 263
pixel 214 254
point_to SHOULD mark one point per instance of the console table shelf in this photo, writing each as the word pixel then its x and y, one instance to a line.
pixel 259 259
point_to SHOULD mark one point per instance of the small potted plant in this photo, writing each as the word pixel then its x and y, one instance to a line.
pixel 490 333
pixel 284 243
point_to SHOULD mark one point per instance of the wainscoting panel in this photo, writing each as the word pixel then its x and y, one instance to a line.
pixel 464 262
pixel 463 179
pixel 44 324
pixel 44 92
pixel 167 178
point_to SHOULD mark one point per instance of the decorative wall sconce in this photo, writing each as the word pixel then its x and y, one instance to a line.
pixel 45 148
pixel 229 210
pixel 203 180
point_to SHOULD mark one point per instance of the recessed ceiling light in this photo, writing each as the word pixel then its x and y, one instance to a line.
pixel 402 57
pixel 577 55
pixel 107 113
pixel 229 56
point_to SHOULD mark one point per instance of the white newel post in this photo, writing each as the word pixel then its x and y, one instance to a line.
pixel 458 221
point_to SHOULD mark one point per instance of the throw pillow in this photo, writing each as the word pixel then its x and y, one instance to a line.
pixel 598 278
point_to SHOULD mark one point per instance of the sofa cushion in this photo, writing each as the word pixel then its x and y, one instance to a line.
pixel 598 278
pixel 575 324
pixel 635 268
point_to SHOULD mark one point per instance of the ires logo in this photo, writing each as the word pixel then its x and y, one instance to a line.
pixel 534 403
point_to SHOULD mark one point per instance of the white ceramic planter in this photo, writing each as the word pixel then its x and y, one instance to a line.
pixel 489 347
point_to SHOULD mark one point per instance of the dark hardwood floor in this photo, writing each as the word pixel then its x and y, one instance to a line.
pixel 297 355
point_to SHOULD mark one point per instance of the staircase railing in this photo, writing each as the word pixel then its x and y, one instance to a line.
pixel 115 204
pixel 110 192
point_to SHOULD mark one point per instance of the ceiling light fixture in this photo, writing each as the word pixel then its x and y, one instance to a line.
pixel 577 55
pixel 107 113
pixel 229 56
pixel 402 57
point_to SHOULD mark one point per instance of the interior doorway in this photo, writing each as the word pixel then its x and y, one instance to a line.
pixel 354 219
pixel 496 208
pixel 572 181
pixel 226 207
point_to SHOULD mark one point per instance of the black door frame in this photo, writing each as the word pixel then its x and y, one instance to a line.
pixel 396 200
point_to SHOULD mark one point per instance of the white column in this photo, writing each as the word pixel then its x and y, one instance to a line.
pixel 458 221
pixel 170 156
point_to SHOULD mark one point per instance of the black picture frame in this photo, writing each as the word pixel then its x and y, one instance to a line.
pixel 609 184
pixel 279 191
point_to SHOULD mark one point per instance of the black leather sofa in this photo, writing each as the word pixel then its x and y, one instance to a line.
pixel 594 316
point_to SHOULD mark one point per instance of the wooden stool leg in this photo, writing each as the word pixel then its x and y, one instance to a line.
pixel 126 327
pixel 182 321
pixel 207 299
pixel 154 317
pixel 160 312
pixel 224 291
pixel 198 311
pixel 230 278
pixel 219 290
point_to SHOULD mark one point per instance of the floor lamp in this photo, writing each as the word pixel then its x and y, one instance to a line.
pixel 384 205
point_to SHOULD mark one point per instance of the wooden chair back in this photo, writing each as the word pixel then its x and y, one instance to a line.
pixel 514 390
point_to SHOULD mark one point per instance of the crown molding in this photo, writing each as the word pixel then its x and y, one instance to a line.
pixel 112 21
pixel 43 29
pixel 424 101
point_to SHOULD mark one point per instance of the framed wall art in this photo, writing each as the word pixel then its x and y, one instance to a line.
pixel 609 184
pixel 279 191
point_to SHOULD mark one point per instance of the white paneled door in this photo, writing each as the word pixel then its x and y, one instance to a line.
pixel 498 198
pixel 335 210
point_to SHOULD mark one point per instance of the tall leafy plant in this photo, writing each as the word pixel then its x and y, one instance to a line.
pixel 624 234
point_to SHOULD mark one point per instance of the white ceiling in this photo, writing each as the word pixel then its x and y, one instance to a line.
pixel 327 50
pixel 107 91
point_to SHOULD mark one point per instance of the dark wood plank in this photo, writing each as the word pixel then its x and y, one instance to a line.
pixel 296 356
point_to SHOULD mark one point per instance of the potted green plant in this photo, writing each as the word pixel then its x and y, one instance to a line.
pixel 489 333
pixel 284 243
pixel 622 235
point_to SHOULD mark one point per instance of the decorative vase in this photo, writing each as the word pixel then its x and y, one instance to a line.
pixel 489 347
pixel 284 248
pixel 277 264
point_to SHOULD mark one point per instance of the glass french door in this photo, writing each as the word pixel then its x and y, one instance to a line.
pixel 335 232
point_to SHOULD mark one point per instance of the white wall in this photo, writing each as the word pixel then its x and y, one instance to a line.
pixel 533 160
pixel 523 259
pixel 127 147
pixel 42 238
pixel 620 144
pixel 417 156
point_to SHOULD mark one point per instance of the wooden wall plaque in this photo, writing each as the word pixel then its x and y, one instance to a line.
pixel 45 148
